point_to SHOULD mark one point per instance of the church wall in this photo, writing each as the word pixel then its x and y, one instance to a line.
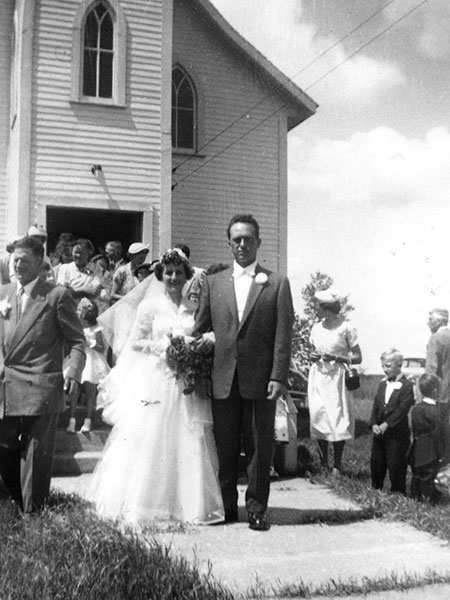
pixel 6 43
pixel 235 172
pixel 69 137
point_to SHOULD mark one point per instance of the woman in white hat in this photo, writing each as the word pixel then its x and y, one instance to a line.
pixel 336 345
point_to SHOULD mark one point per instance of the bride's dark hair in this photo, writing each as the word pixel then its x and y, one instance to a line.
pixel 174 256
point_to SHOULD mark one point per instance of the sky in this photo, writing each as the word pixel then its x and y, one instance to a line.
pixel 369 173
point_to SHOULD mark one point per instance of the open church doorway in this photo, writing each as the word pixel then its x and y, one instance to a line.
pixel 99 226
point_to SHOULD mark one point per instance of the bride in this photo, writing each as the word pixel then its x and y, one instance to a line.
pixel 160 460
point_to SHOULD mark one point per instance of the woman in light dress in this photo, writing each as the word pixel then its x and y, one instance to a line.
pixel 335 344
pixel 160 461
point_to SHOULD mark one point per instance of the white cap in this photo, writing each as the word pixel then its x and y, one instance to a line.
pixel 35 230
pixel 137 247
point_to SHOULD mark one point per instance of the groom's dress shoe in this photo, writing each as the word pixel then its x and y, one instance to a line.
pixel 231 516
pixel 258 522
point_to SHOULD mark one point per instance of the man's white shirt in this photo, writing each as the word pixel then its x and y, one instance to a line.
pixel 242 281
pixel 27 289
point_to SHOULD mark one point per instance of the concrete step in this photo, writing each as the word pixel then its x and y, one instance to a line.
pixel 78 453
pixel 80 413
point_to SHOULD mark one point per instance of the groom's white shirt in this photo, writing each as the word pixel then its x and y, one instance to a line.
pixel 242 281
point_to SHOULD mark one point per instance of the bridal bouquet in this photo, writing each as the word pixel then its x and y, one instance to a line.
pixel 187 362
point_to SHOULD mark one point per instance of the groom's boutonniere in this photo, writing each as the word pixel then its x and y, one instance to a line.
pixel 261 278
pixel 5 309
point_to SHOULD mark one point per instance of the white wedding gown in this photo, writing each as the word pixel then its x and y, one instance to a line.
pixel 160 461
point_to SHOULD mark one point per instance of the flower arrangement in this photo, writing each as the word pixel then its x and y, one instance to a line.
pixel 187 362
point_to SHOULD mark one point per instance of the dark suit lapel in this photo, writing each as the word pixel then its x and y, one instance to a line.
pixel 35 305
pixel 227 293
pixel 253 294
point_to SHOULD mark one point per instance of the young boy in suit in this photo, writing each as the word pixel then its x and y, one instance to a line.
pixel 389 421
pixel 427 447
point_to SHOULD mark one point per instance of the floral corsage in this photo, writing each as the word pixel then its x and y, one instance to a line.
pixel 5 309
pixel 261 278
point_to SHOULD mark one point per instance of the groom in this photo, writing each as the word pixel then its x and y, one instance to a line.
pixel 38 324
pixel 250 311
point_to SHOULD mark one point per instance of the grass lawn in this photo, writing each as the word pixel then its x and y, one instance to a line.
pixel 355 483
pixel 67 553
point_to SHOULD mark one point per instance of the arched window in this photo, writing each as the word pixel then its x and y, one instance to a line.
pixel 184 111
pixel 99 53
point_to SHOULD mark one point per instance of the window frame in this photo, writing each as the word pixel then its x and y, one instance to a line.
pixel 196 112
pixel 118 97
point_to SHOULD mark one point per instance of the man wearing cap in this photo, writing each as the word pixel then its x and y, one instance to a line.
pixel 438 363
pixel 124 278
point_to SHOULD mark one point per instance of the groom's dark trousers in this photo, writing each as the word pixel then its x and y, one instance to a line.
pixel 255 419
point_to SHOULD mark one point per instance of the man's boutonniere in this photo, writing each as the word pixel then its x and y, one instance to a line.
pixel 5 309
pixel 261 278
pixel 397 385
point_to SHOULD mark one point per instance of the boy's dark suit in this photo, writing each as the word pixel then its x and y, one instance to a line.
pixel 426 449
pixel 389 450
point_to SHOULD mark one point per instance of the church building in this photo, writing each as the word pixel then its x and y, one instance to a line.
pixel 148 120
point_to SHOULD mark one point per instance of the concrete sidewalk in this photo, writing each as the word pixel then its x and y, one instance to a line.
pixel 296 552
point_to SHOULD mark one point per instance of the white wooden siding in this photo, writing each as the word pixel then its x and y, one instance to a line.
pixel 6 28
pixel 246 177
pixel 69 137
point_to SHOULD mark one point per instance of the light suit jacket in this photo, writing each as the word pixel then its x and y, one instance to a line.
pixel 32 349
pixel 259 347
pixel 438 360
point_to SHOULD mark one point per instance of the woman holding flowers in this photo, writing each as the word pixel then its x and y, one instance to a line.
pixel 160 461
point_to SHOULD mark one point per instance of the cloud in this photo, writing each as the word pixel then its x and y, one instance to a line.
pixel 372 168
pixel 428 27
pixel 292 45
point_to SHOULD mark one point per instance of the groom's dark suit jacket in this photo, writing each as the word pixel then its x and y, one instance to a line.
pixel 259 347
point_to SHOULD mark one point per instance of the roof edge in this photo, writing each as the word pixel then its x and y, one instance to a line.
pixel 297 95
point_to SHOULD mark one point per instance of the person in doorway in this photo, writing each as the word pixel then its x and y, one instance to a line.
pixel 114 255
pixel 124 278
pixel 78 275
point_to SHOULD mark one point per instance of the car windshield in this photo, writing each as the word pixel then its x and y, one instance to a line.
pixel 414 363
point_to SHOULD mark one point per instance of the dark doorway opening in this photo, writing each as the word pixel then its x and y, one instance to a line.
pixel 100 226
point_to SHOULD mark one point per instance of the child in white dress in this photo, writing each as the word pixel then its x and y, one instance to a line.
pixel 96 367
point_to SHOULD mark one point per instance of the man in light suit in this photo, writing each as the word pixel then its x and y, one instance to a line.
pixel 250 311
pixel 438 363
pixel 38 325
